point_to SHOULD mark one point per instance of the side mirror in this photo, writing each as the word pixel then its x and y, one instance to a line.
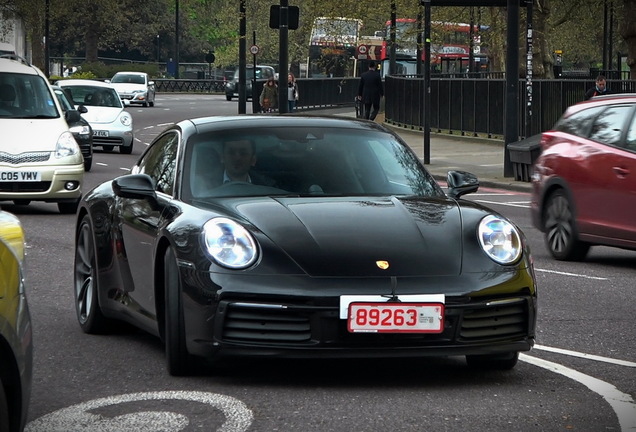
pixel 126 102
pixel 72 116
pixel 135 186
pixel 461 183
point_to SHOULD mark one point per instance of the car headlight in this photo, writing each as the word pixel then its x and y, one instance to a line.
pixel 229 243
pixel 500 239
pixel 81 130
pixel 66 145
pixel 125 119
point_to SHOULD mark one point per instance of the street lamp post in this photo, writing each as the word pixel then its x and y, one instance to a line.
pixel 176 40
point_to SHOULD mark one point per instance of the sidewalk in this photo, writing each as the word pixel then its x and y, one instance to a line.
pixel 480 156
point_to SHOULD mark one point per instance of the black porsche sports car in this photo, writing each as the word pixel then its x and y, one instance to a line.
pixel 297 236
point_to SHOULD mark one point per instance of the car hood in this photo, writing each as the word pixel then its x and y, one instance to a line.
pixel 345 237
pixel 128 87
pixel 32 135
pixel 103 115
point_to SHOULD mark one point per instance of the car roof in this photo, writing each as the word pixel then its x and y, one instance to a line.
pixel 83 82
pixel 130 73
pixel 601 101
pixel 13 65
pixel 259 121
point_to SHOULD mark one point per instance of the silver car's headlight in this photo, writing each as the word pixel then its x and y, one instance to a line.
pixel 66 145
pixel 500 239
pixel 229 243
pixel 125 119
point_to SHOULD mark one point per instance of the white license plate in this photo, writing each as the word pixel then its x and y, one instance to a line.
pixel 100 133
pixel 396 317
pixel 20 176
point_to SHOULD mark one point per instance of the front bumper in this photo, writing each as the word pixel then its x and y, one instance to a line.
pixel 486 321
pixel 51 188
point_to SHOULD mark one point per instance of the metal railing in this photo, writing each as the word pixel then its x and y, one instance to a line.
pixel 461 106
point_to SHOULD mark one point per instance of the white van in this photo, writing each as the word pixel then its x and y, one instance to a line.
pixel 39 157
pixel 6 48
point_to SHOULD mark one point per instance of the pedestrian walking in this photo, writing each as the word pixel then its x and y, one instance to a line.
pixel 599 89
pixel 292 92
pixel 370 91
pixel 269 96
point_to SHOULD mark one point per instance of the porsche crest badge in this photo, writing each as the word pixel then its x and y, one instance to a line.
pixel 382 265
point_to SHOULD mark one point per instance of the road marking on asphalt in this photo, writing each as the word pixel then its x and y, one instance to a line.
pixel 76 418
pixel 521 204
pixel 585 356
pixel 570 274
pixel 622 404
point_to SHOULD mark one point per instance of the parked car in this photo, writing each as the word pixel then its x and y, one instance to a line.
pixel 39 158
pixel 584 181
pixel 300 236
pixel 112 124
pixel 16 342
pixel 135 87
pixel 80 129
pixel 232 87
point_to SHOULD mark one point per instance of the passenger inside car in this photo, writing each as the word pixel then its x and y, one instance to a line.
pixel 7 97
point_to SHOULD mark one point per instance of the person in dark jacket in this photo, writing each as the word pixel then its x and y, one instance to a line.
pixel 370 91
pixel 599 89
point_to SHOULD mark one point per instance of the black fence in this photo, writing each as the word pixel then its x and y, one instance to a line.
pixel 477 107
pixel 462 106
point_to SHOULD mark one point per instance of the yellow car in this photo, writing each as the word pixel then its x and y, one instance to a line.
pixel 16 349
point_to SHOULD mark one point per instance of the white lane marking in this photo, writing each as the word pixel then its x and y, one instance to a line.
pixel 570 274
pixel 585 356
pixel 76 418
pixel 622 404
pixel 101 163
pixel 124 169
pixel 522 204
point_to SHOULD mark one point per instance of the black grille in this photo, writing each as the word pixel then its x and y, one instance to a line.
pixel 25 186
pixel 495 321
pixel 21 158
pixel 265 325
pixel 107 140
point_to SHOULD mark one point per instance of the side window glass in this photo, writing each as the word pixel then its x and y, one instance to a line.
pixel 630 140
pixel 610 125
pixel 160 163
pixel 578 124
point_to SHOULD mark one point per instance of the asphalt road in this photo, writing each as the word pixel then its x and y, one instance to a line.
pixel 581 376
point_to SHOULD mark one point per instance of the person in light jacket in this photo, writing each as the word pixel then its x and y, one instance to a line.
pixel 292 92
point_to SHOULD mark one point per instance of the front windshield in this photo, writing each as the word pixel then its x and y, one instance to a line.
pixel 302 161
pixel 25 96
pixel 94 96
pixel 128 79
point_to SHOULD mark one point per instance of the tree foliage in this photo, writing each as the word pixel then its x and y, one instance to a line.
pixel 146 30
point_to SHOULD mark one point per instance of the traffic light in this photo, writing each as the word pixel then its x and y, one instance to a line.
pixel 292 17
pixel 209 57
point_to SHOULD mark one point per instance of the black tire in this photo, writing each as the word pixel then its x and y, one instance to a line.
pixel 21 202
pixel 178 359
pixel 151 103
pixel 228 96
pixel 89 315
pixel 68 207
pixel 145 104
pixel 559 226
pixel 108 148
pixel 88 163
pixel 4 411
pixel 126 149
pixel 505 361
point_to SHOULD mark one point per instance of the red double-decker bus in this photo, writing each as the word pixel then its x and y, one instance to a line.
pixel 450 48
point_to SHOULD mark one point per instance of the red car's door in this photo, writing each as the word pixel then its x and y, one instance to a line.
pixel 606 183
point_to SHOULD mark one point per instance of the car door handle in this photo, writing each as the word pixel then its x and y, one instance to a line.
pixel 620 171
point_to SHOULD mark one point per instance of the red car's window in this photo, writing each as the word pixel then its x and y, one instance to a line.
pixel 608 128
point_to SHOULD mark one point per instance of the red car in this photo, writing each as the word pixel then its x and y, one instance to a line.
pixel 584 181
